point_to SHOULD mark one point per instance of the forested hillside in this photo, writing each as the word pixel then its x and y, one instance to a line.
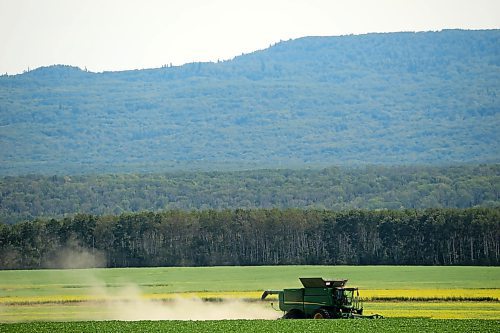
pixel 397 98
pixel 371 187
pixel 258 237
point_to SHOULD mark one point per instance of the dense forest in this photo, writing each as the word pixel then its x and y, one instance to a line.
pixel 258 237
pixel 369 149
pixel 395 98
pixel 370 187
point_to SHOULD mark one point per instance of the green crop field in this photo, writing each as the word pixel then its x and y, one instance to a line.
pixel 175 293
pixel 276 326
pixel 250 278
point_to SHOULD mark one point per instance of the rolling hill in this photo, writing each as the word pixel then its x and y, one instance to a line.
pixel 390 99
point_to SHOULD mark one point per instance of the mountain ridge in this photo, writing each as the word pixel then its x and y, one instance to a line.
pixel 252 53
pixel 395 98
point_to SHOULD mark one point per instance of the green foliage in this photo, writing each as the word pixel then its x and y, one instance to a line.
pixel 399 98
pixel 260 237
pixel 372 187
pixel 158 280
pixel 278 326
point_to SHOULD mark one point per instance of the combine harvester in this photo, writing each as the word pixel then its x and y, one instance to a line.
pixel 320 299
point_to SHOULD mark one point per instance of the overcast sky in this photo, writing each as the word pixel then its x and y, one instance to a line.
pixel 127 34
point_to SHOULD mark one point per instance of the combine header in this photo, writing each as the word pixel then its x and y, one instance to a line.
pixel 320 299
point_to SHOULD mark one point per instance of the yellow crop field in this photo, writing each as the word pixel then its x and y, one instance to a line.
pixel 437 310
pixel 466 294
pixel 85 307
pixel 368 295
pixel 429 292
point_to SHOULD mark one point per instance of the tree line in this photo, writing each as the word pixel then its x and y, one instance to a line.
pixel 259 237
pixel 334 188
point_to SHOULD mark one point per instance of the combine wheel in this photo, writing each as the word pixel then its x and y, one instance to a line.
pixel 294 314
pixel 322 314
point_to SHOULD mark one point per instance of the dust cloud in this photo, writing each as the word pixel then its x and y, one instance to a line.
pixel 129 304
pixel 76 256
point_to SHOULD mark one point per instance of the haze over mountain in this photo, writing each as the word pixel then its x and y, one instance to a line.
pixel 397 98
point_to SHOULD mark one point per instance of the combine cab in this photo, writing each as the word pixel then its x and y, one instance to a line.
pixel 320 299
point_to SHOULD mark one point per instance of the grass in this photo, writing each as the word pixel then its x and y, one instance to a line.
pixel 253 278
pixel 394 291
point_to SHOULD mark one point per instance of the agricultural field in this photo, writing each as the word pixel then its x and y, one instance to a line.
pixel 276 326
pixel 228 298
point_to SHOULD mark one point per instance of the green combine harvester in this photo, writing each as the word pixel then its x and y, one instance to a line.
pixel 320 299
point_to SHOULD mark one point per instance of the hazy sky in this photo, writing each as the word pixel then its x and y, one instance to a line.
pixel 127 34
